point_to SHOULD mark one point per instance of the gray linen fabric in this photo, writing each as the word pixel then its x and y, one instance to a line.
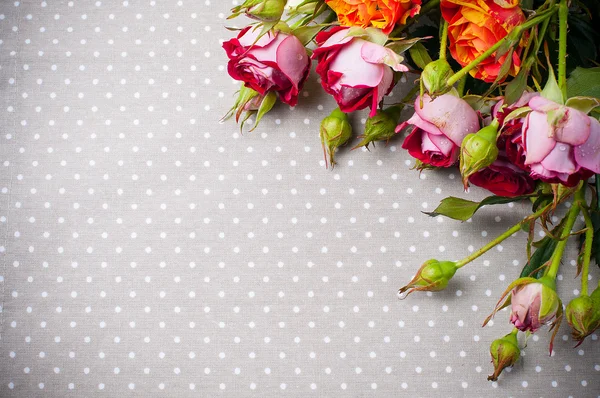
pixel 148 250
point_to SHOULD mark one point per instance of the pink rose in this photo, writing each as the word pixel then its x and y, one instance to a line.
pixel 356 72
pixel 561 144
pixel 439 129
pixel 276 62
pixel 533 305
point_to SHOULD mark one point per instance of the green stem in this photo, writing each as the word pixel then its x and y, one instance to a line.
pixel 597 192
pixel 443 39
pixel 587 250
pixel 518 29
pixel 500 238
pixel 563 14
pixel 461 86
pixel 564 235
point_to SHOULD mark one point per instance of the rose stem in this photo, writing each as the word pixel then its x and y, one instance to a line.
pixel 461 85
pixel 563 14
pixel 443 39
pixel 564 235
pixel 598 192
pixel 587 251
pixel 519 29
pixel 501 238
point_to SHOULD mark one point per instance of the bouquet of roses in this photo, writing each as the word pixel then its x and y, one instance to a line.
pixel 496 96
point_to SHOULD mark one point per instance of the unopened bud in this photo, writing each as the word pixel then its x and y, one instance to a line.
pixel 505 352
pixel 583 315
pixel 478 151
pixel 434 77
pixel 433 276
pixel 262 10
pixel 335 132
pixel 380 127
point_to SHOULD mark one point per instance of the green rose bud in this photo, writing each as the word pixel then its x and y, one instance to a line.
pixel 335 132
pixel 262 10
pixel 433 276
pixel 583 315
pixel 434 77
pixel 505 352
pixel 249 102
pixel 478 151
pixel 381 126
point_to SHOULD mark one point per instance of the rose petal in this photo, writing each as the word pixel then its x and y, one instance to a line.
pixel 376 54
pixel 560 159
pixel 587 155
pixel 537 136
pixel 248 37
pixel 575 130
pixel 292 59
pixel 355 71
pixel 437 143
pixel 453 116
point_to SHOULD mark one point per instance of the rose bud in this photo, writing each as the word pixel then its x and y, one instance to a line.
pixel 379 14
pixel 561 144
pixel 503 178
pixel 274 62
pixel 381 126
pixel 476 25
pixel 533 305
pixel 356 72
pixel 433 276
pixel 583 315
pixel 439 129
pixel 505 353
pixel 478 151
pixel 335 132
pixel 250 102
pixel 434 76
pixel 262 10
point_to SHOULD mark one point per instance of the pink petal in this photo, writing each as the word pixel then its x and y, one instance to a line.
pixel 587 155
pixel 355 71
pixel 537 136
pixel 539 103
pixel 249 37
pixel 292 59
pixel 436 143
pixel 575 130
pixel 453 116
pixel 560 159
pixel 376 54
pixel 416 120
pixel 339 37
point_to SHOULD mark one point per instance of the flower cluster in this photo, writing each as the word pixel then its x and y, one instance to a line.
pixel 477 106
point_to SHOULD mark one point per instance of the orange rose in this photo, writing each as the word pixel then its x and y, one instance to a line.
pixel 476 25
pixel 382 14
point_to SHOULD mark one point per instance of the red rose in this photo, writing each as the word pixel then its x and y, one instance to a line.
pixel 357 72
pixel 502 178
pixel 276 62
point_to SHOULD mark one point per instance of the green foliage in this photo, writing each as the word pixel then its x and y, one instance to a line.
pixel 462 209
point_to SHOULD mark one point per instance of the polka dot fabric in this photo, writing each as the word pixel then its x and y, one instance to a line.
pixel 148 250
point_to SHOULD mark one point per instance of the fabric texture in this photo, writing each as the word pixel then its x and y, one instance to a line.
pixel 148 250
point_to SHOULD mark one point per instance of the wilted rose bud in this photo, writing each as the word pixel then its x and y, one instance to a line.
pixel 533 305
pixel 434 76
pixel 505 352
pixel 335 132
pixel 433 276
pixel 262 10
pixel 478 151
pixel 583 315
pixel 381 126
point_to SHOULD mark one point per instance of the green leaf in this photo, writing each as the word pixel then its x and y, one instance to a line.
pixel 516 87
pixel 401 45
pixel 265 106
pixel 551 90
pixel 306 33
pixel 462 209
pixel 533 268
pixel 584 104
pixel 584 83
pixel 419 55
